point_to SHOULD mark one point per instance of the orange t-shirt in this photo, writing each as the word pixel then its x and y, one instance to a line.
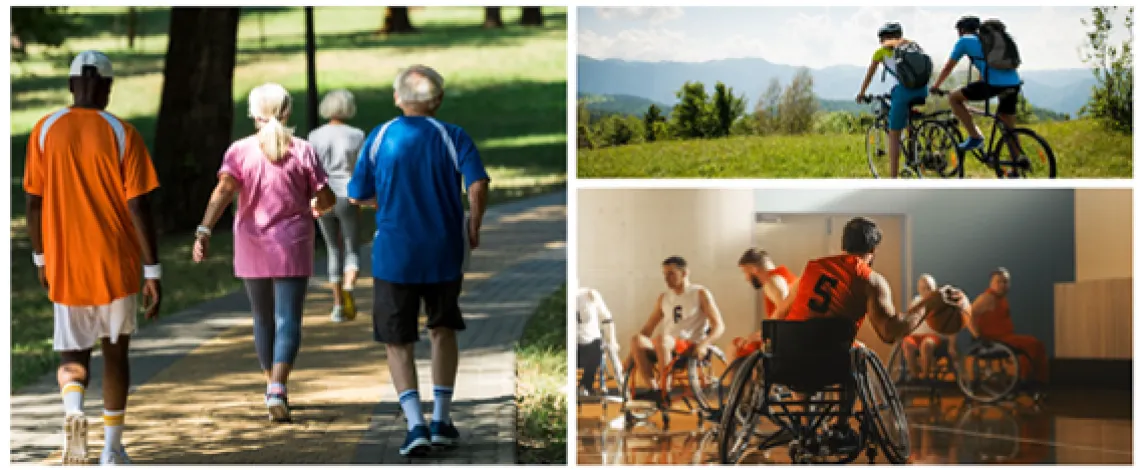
pixel 832 287
pixel 780 271
pixel 996 323
pixel 86 164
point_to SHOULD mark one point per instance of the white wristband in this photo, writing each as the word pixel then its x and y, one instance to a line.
pixel 152 272
pixel 38 259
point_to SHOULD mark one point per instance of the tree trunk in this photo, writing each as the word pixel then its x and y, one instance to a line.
pixel 311 63
pixel 196 117
pixel 531 16
pixel 132 26
pixel 396 21
pixel 493 17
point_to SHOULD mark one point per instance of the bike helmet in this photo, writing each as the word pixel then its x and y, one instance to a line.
pixel 968 23
pixel 891 29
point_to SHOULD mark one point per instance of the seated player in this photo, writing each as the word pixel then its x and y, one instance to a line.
pixel 923 341
pixel 991 320
pixel 773 281
pixel 592 315
pixel 689 318
pixel 845 286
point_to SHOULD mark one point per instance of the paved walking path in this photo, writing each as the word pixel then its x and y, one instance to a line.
pixel 197 392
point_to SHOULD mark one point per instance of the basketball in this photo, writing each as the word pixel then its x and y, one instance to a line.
pixel 951 316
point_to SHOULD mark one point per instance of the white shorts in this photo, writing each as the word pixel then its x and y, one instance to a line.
pixel 79 328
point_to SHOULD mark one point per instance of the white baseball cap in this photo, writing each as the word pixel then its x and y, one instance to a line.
pixel 93 58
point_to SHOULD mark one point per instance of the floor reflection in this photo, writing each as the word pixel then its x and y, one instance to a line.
pixel 1070 428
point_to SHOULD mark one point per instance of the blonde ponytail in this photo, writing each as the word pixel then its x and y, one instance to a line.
pixel 269 105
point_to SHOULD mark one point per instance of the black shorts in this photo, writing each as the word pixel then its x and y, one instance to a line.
pixel 396 309
pixel 982 91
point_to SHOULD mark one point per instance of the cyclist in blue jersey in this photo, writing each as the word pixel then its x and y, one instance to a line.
pixel 993 82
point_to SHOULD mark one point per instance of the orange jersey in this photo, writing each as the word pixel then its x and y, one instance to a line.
pixel 783 272
pixel 86 164
pixel 832 287
pixel 996 323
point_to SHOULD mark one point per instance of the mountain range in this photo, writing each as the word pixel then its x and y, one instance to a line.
pixel 1064 90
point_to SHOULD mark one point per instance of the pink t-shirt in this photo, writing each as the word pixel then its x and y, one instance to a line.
pixel 273 228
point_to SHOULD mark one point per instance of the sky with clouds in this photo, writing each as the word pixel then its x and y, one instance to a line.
pixel 1047 37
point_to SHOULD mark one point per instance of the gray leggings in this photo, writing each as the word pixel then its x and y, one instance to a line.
pixel 338 227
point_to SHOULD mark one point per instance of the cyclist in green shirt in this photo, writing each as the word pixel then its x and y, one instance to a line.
pixel 902 98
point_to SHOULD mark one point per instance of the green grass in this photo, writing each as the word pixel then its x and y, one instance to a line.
pixel 1083 149
pixel 506 87
pixel 542 364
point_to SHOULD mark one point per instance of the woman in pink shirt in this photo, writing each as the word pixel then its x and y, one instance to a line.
pixel 281 187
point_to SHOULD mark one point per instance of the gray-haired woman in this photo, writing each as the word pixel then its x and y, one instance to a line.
pixel 337 145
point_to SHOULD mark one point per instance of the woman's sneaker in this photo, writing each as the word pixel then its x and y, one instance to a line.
pixel 338 314
pixel 278 405
pixel 349 305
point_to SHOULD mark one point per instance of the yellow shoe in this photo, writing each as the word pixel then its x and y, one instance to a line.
pixel 349 306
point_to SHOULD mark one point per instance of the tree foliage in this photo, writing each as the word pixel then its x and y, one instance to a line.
pixel 48 26
pixel 1111 98
pixel 798 104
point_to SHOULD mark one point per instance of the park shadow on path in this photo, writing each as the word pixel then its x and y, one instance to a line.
pixel 197 390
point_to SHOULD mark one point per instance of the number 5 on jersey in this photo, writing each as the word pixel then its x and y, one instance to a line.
pixel 824 287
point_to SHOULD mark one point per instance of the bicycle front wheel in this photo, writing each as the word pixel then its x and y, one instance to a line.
pixel 1024 154
pixel 876 145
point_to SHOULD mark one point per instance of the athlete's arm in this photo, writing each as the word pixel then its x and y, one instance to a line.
pixel 881 311
pixel 777 289
pixel 946 71
pixel 477 200
pixel 785 305
pixel 654 318
pixel 716 322
pixel 867 79
pixel 35 211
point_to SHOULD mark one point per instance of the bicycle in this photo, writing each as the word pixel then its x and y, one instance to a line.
pixel 929 142
pixel 1017 165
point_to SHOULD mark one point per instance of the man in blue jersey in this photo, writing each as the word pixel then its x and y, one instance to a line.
pixel 411 169
pixel 993 82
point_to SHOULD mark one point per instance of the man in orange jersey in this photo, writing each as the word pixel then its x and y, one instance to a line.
pixel 991 321
pixel 773 281
pixel 87 176
pixel 845 286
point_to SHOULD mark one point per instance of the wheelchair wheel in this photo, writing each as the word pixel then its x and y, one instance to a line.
pixel 706 382
pixel 884 410
pixel 990 371
pixel 896 365
pixel 743 409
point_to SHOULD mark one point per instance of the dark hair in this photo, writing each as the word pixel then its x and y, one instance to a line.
pixel 1002 271
pixel 861 236
pixel 752 256
pixel 968 24
pixel 676 261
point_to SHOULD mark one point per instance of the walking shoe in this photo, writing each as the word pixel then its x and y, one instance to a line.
pixel 417 443
pixel 349 305
pixel 75 439
pixel 972 143
pixel 444 434
pixel 114 457
pixel 278 405
pixel 338 315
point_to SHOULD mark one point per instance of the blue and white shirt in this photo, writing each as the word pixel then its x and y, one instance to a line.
pixel 969 45
pixel 416 167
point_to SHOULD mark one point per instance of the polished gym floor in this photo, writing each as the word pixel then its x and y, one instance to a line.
pixel 1068 427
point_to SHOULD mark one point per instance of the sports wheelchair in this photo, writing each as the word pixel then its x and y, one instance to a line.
pixel 829 384
pixel 988 371
pixel 608 383
pixel 694 381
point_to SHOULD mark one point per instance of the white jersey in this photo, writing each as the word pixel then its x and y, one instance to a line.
pixel 923 328
pixel 684 318
pixel 592 312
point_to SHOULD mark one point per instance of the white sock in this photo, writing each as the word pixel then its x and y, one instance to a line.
pixel 73 397
pixel 442 411
pixel 410 402
pixel 113 429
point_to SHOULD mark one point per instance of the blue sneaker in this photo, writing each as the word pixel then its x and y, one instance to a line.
pixel 444 434
pixel 417 443
pixel 973 143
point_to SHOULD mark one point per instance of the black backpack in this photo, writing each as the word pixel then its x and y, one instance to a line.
pixel 914 67
pixel 998 49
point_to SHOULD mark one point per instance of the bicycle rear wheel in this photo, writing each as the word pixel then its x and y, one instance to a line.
pixel 938 150
pixel 876 146
pixel 1024 154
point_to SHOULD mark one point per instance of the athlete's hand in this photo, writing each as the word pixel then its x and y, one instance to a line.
pixel 861 98
pixel 473 233
pixel 201 249
pixel 152 298
pixel 43 277
pixel 701 350
pixel 936 91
